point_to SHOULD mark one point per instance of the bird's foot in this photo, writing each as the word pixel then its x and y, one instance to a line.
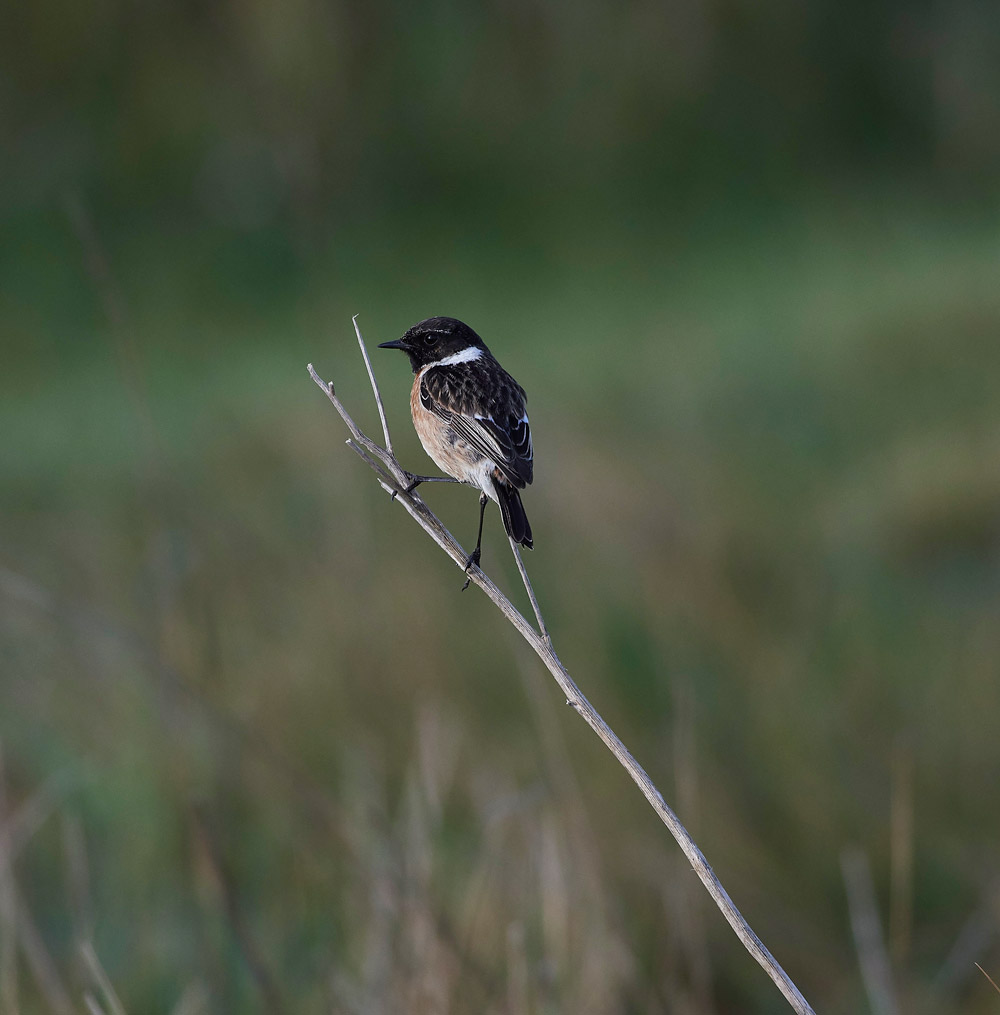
pixel 471 560
pixel 415 481
pixel 412 483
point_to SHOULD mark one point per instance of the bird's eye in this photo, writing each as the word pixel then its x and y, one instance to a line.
pixel 430 340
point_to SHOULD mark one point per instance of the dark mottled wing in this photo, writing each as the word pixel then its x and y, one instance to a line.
pixel 484 406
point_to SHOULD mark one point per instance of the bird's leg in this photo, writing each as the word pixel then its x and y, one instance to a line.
pixel 415 481
pixel 477 552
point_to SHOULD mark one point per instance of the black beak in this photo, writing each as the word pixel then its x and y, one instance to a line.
pixel 398 344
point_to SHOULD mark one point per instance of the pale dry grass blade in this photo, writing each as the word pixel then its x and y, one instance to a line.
pixel 374 384
pixel 194 1000
pixel 485 891
pixel 602 958
pixel 234 915
pixel 101 979
pixel 901 852
pixel 428 985
pixel 18 919
pixel 24 822
pixel 43 967
pixel 553 894
pixel 78 877
pixel 122 334
pixel 974 939
pixel 93 1005
pixel 694 942
pixel 543 630
pixel 869 942
pixel 518 1002
pixel 438 745
pixel 9 993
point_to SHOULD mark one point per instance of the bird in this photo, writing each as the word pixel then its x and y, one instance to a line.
pixel 472 420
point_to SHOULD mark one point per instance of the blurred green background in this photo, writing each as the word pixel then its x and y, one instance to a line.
pixel 258 749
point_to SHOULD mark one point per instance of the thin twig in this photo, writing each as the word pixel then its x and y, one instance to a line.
pixel 392 478
pixel 378 396
pixel 516 550
pixel 988 977
pixel 388 460
pixel 866 927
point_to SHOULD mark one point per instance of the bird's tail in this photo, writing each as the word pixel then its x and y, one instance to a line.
pixel 515 521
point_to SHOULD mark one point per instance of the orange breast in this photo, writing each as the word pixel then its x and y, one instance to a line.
pixel 455 458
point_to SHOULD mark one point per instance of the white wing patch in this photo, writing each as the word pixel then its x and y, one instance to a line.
pixel 521 436
pixel 479 435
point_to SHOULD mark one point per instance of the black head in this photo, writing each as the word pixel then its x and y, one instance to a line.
pixel 435 339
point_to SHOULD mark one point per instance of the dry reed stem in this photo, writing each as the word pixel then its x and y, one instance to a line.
pixel 393 479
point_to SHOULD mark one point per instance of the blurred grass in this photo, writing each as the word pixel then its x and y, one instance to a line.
pixel 745 261
pixel 763 472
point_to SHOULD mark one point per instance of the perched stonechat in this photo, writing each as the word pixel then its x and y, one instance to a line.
pixel 470 416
